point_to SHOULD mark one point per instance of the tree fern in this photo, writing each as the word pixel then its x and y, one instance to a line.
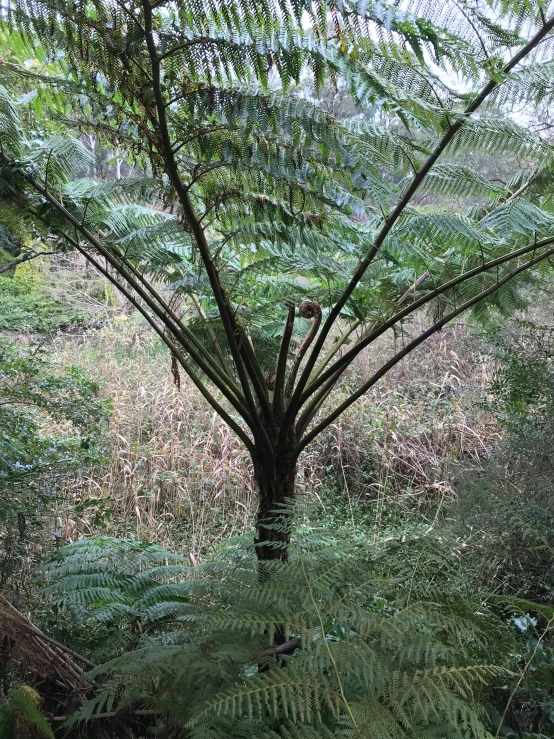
pixel 250 192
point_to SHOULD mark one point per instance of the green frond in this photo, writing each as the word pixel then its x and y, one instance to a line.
pixel 497 136
pixel 454 180
pixel 10 130
pixel 58 158
pixel 519 217
pixel 291 693
pixel 20 713
pixel 405 644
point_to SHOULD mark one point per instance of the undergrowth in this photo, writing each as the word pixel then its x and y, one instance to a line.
pixel 386 636
pixel 178 474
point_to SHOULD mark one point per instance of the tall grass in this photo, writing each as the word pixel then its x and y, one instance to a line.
pixel 177 475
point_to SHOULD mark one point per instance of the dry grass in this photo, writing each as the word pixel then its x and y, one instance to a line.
pixel 177 474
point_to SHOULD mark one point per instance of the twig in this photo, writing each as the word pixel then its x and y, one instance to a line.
pixel 111 714
pixel 523 673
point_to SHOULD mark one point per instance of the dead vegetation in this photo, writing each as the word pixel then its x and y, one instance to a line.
pixel 56 671
pixel 177 473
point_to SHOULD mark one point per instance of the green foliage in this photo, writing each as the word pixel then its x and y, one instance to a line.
pixel 270 173
pixel 34 395
pixel 394 641
pixel 250 197
pixel 523 387
pixel 20 714
pixel 26 306
pixel 508 499
pixel 505 507
pixel 51 425
pixel 121 592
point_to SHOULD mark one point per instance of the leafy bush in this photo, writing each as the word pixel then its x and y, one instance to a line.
pixel 26 306
pixel 51 425
pixel 506 511
pixel 508 501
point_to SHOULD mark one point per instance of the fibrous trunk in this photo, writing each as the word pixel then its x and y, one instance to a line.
pixel 274 520
pixel 275 484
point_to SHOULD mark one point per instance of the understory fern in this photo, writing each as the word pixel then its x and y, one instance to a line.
pixel 20 714
pixel 127 590
pixel 379 639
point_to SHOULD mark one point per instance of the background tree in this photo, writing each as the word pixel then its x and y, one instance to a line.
pixel 51 424
pixel 267 243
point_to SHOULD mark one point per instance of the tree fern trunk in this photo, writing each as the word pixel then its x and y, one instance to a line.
pixel 276 489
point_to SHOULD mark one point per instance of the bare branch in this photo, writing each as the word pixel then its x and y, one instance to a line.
pixel 28 255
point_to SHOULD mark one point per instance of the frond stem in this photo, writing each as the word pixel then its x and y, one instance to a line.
pixel 216 378
pixel 281 369
pixel 301 352
pixel 172 346
pixel 416 182
pixel 379 330
pixel 226 375
pixel 213 337
pixel 243 365
pixel 415 343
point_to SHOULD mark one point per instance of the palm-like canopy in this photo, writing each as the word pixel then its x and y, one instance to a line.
pixel 255 200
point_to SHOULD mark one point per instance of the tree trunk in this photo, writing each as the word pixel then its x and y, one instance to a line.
pixel 276 483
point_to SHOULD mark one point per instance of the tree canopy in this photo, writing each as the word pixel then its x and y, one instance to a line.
pixel 267 242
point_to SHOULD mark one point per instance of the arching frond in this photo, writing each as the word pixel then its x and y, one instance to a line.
pixel 403 637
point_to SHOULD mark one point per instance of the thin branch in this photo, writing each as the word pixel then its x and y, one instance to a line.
pixel 415 343
pixel 25 258
pixel 412 188
pixel 413 287
pixel 521 190
pixel 521 677
pixel 111 714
